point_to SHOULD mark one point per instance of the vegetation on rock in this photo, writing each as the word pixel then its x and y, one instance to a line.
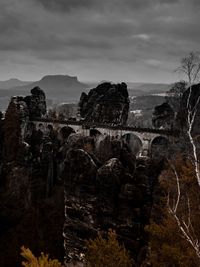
pixel 170 218
pixel 42 261
pixel 107 252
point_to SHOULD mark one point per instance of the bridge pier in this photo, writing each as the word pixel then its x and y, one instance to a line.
pixel 85 132
pixel 146 147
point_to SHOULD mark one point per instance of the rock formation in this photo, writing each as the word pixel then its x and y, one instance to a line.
pixel 20 110
pixel 96 178
pixel 163 116
pixel 102 194
pixel 31 197
pixel 79 202
pixel 107 103
pixel 36 103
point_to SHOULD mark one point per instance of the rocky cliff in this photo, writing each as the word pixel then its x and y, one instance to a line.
pixel 110 192
pixel 97 179
pixel 24 185
pixel 107 103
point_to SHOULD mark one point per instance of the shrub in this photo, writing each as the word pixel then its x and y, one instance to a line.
pixel 108 252
pixel 42 261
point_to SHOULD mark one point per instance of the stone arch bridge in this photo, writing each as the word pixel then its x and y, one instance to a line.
pixel 146 136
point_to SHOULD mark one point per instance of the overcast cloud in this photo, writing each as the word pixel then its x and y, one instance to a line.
pixel 120 40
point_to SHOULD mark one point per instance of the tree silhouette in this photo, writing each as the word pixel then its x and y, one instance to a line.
pixel 12 132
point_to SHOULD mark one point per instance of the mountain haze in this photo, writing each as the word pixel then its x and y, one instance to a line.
pixel 12 83
pixel 140 89
pixel 57 87
pixel 65 88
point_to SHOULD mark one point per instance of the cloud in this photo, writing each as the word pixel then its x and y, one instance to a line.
pixel 66 5
pixel 142 36
pixel 137 34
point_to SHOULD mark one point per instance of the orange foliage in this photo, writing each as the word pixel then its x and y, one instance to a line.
pixel 168 246
pixel 42 261
pixel 107 252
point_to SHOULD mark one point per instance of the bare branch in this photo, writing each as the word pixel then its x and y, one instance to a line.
pixel 185 232
pixel 178 188
pixel 190 66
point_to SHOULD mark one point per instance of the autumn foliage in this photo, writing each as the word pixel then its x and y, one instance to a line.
pixel 168 246
pixel 42 261
pixel 107 252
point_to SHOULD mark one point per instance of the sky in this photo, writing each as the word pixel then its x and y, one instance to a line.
pixel 116 40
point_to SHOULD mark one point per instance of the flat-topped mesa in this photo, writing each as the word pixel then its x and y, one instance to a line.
pixel 59 78
pixel 107 103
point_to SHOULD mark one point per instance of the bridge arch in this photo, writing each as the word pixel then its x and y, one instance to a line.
pixel 159 147
pixel 134 142
pixel 94 132
pixel 143 141
pixel 65 131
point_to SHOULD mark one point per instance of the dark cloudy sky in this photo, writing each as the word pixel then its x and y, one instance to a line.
pixel 130 40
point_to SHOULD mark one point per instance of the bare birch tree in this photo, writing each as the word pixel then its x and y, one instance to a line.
pixel 183 218
pixel 190 66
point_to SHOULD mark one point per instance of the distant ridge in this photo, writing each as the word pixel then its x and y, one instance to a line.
pixel 57 87
pixel 8 84
pixel 65 88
